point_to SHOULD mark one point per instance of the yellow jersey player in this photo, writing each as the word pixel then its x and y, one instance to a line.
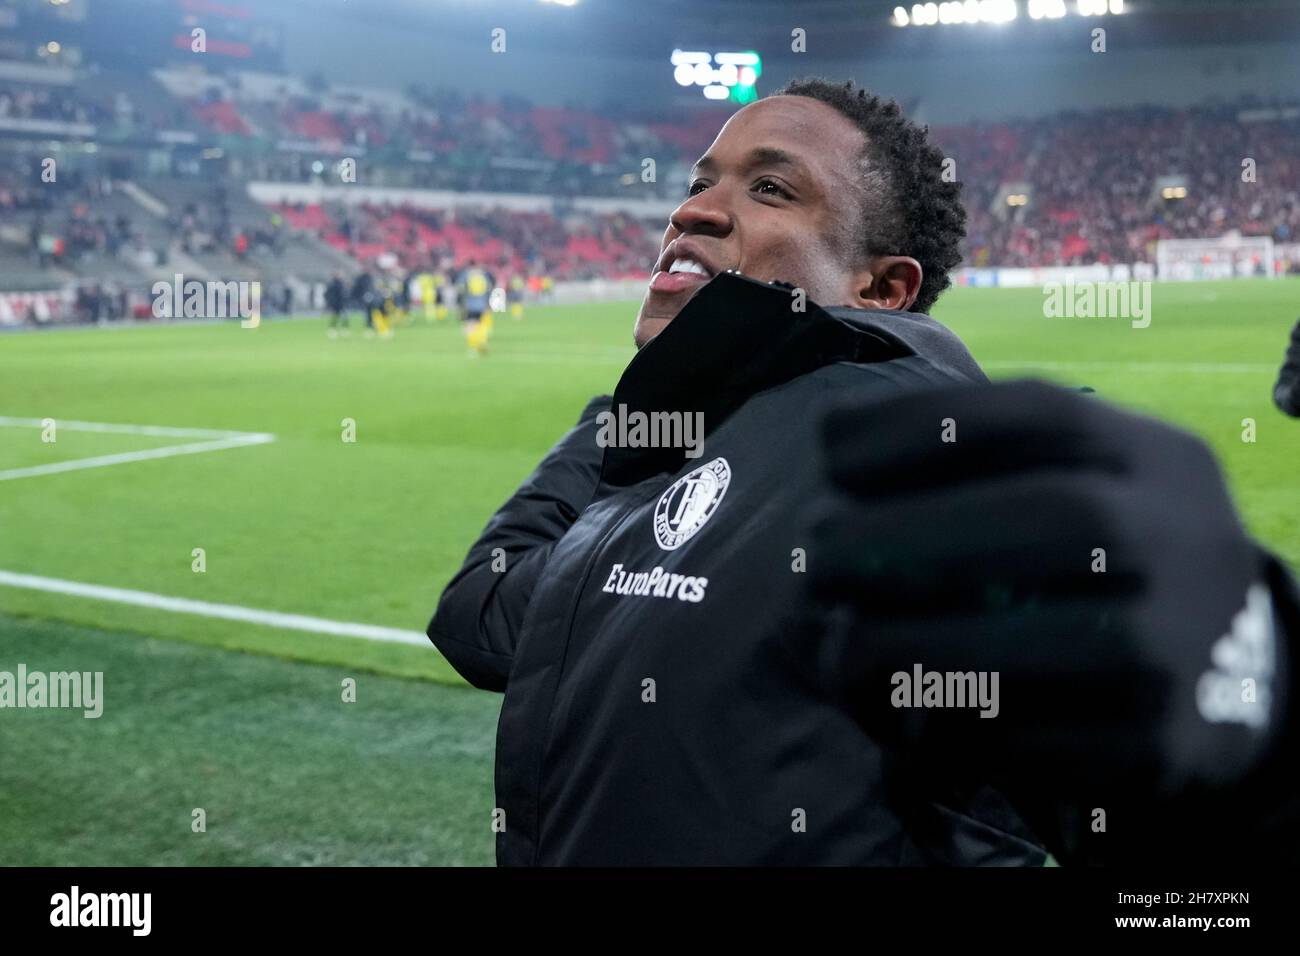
pixel 441 293
pixel 383 309
pixel 515 295
pixel 475 285
pixel 428 295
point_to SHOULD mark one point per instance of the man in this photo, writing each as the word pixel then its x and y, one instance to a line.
pixel 474 287
pixel 426 287
pixel 442 289
pixel 363 297
pixel 383 307
pixel 705 650
pixel 515 296
pixel 335 302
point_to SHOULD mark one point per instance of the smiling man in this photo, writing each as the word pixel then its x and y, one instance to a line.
pixel 820 189
pixel 892 614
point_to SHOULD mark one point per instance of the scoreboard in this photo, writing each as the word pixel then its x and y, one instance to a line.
pixel 720 76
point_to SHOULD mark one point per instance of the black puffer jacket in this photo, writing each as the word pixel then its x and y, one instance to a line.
pixel 672 694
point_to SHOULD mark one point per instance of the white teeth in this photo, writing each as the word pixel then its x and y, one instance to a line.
pixel 688 265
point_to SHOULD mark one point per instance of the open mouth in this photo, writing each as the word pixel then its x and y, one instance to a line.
pixel 680 268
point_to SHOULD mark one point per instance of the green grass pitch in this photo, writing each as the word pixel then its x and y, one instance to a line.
pixel 368 531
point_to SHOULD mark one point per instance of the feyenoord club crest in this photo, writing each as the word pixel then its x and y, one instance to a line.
pixel 689 502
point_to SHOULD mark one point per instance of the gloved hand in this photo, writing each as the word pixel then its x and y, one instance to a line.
pixel 1087 556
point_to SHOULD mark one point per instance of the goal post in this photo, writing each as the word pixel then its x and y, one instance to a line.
pixel 1228 257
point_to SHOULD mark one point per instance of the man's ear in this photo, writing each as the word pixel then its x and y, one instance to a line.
pixel 888 282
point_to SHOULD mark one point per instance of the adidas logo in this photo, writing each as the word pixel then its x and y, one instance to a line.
pixel 1237 688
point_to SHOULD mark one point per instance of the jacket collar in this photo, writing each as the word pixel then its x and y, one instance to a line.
pixel 737 337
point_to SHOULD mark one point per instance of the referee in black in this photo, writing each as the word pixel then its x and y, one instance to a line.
pixel 887 613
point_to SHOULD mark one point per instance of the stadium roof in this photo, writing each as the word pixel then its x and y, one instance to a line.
pixel 835 28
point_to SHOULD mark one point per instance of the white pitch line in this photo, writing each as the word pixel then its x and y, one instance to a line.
pixel 228 612
pixel 120 458
pixel 162 430
pixel 217 440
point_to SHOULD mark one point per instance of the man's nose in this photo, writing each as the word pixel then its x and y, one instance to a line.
pixel 705 213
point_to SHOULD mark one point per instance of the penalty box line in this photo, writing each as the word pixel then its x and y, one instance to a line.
pixel 227 612
pixel 214 440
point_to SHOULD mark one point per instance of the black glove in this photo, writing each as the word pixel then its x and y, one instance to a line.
pixel 984 553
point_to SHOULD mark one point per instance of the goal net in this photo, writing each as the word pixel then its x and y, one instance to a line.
pixel 1227 257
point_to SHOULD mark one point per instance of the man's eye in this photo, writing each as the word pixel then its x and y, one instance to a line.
pixel 770 187
pixel 696 187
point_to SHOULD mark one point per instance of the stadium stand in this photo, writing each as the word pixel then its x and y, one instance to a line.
pixel 1091 179
pixel 1071 189
pixel 576 247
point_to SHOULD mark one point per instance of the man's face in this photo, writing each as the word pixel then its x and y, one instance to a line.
pixel 776 197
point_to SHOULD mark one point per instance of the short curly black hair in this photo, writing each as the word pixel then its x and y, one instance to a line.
pixel 911 208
